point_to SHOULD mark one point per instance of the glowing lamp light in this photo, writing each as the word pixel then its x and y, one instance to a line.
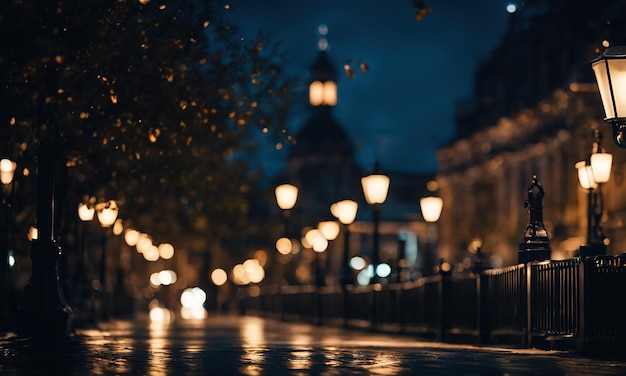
pixel 585 175
pixel 364 276
pixel 240 276
pixel 610 72
pixel 118 227
pixel 357 263
pixel 375 187
pixel 511 8
pixel 311 235
pixel 11 259
pixel 286 196
pixel 601 166
pixel 160 315
pixel 323 93
pixel 107 213
pixel 330 93
pixel 7 170
pixel 431 208
pixel 144 242
pixel 192 301
pixel 328 229
pixel 154 279
pixel 131 237
pixel 151 253
pixel 167 277
pixel 320 244
pixel 166 251
pixel 344 211
pixel 33 233
pixel 316 93
pixel 283 246
pixel 219 277
pixel 383 270
pixel 254 270
pixel 86 212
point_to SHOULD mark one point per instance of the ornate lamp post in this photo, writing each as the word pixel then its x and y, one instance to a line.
pixel 330 231
pixel 107 214
pixel 86 213
pixel 610 72
pixel 44 313
pixel 7 171
pixel 345 212
pixel 319 244
pixel 375 188
pixel 592 173
pixel 286 197
pixel 431 207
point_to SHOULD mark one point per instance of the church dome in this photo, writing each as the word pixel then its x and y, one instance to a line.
pixel 322 136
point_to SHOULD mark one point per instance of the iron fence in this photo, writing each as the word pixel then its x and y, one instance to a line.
pixel 575 303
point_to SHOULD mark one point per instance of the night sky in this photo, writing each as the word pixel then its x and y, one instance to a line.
pixel 402 109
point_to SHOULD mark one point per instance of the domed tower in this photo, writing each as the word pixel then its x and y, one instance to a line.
pixel 321 161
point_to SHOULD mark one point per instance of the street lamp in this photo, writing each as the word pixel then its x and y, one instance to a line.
pixel 375 188
pixel 319 244
pixel 610 72
pixel 86 213
pixel 345 212
pixel 329 230
pixel 7 171
pixel 107 214
pixel 431 207
pixel 286 197
pixel 592 173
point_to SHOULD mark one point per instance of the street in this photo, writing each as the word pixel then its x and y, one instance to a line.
pixel 256 346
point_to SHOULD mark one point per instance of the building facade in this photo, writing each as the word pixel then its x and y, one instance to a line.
pixel 534 109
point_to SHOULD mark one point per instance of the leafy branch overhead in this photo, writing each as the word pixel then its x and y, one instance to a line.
pixel 150 99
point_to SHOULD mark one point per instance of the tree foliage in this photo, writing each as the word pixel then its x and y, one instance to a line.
pixel 152 101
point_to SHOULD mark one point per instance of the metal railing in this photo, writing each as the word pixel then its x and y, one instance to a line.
pixel 575 303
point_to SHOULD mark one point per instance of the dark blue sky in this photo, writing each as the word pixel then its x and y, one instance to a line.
pixel 402 109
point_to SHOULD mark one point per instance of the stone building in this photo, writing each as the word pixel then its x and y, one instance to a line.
pixel 534 107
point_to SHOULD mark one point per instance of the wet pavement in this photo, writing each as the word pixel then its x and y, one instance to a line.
pixel 254 346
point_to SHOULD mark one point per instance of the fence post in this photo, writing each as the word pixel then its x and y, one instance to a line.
pixel 583 282
pixel 481 307
pixel 529 293
pixel 444 317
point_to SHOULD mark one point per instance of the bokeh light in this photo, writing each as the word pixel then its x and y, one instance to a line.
pixel 144 242
pixel 167 277
pixel 192 300
pixel 383 270
pixel 151 253
pixel 364 276
pixel 160 315
pixel 283 246
pixel 329 229
pixel 166 251
pixel 219 277
pixel 357 263
pixel 131 237
pixel 511 8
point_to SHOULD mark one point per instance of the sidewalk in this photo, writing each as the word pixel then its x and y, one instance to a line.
pixel 255 346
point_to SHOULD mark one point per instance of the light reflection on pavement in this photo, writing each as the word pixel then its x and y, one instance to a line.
pixel 254 346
